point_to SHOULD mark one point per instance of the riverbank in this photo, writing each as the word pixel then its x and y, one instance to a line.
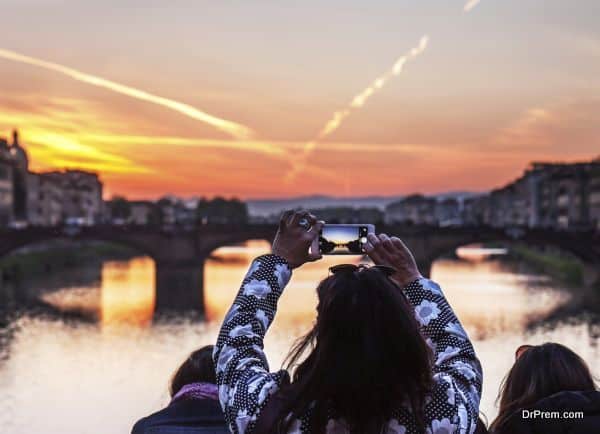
pixel 564 268
pixel 556 264
pixel 57 257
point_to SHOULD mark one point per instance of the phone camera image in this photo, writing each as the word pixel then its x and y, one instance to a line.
pixel 343 239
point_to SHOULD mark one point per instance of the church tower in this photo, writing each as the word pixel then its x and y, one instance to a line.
pixel 21 162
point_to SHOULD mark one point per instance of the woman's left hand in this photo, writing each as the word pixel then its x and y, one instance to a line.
pixel 293 241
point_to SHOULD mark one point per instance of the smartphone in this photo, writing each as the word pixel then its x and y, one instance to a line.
pixel 343 239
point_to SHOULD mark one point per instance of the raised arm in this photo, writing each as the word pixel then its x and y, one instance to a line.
pixel 457 371
pixel 245 383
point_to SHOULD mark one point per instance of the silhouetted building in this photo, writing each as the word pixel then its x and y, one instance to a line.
pixel 21 167
pixel 594 195
pixel 448 212
pixel 81 195
pixel 6 184
pixel 44 200
pixel 142 213
pixel 415 209
pixel 349 215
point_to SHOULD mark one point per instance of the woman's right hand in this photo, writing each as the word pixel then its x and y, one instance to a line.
pixel 293 241
pixel 392 252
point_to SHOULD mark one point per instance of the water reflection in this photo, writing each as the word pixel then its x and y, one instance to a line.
pixel 77 376
pixel 124 293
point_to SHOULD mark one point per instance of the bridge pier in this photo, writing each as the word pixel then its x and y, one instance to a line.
pixel 179 286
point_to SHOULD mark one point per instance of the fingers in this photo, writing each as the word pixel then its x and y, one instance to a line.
pixel 399 244
pixel 284 220
pixel 316 228
pixel 373 249
pixel 298 215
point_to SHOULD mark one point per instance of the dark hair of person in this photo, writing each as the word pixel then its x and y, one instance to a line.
pixel 539 372
pixel 197 368
pixel 366 357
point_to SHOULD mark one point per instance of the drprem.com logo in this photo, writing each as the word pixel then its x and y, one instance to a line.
pixel 539 414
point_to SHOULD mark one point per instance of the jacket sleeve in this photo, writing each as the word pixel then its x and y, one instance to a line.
pixel 243 376
pixel 457 372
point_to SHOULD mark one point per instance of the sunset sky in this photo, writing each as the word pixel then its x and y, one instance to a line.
pixel 234 97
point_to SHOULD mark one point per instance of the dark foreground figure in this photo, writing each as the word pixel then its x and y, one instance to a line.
pixel 549 390
pixel 194 407
pixel 386 354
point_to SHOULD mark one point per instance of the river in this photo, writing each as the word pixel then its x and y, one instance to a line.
pixel 99 375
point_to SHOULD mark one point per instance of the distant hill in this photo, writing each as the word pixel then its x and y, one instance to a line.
pixel 268 207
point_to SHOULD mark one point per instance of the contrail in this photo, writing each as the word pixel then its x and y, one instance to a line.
pixel 234 129
pixel 357 102
pixel 470 5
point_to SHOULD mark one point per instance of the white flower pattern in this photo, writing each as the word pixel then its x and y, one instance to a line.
pixel 456 329
pixel 263 318
pixel 394 427
pixel 242 330
pixel 443 426
pixel 426 311
pixel 448 353
pixel 257 288
pixel 283 274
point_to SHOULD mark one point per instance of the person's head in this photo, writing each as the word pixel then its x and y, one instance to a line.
pixel 197 368
pixel 366 356
pixel 540 371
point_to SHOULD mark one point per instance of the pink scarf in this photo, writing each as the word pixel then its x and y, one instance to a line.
pixel 197 391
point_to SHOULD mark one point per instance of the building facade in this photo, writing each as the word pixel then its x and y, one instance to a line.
pixel 44 200
pixel 81 193
pixel 415 209
pixel 6 184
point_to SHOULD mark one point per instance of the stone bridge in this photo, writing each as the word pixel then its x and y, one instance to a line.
pixel 179 256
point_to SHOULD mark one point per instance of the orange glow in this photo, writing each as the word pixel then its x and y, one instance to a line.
pixel 128 294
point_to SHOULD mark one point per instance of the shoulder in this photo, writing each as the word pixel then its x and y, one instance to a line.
pixel 194 412
pixel 571 400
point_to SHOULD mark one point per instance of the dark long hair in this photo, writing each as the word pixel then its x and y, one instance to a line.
pixel 366 357
pixel 539 372
pixel 197 368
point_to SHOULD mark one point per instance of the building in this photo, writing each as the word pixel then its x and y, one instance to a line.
pixel 21 168
pixel 564 195
pixel 142 213
pixel 6 184
pixel 593 197
pixel 13 181
pixel 348 215
pixel 81 195
pixel 415 209
pixel 44 200
pixel 448 212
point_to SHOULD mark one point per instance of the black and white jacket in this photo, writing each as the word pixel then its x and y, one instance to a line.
pixel 245 383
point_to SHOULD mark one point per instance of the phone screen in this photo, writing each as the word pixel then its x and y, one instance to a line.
pixel 344 239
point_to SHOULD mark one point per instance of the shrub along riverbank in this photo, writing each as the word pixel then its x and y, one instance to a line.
pixel 59 256
pixel 559 265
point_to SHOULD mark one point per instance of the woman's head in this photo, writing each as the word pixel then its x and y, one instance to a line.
pixel 197 368
pixel 366 352
pixel 538 372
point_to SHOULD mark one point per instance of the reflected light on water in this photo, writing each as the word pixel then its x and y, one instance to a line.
pixel 128 294
pixel 124 294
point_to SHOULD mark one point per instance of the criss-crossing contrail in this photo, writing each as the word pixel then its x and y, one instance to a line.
pixel 234 129
pixel 357 102
pixel 470 5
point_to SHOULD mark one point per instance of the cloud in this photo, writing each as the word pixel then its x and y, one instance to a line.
pixel 470 5
pixel 234 129
pixel 558 128
pixel 356 103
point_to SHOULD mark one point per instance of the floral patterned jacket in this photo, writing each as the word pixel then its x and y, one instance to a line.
pixel 245 383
